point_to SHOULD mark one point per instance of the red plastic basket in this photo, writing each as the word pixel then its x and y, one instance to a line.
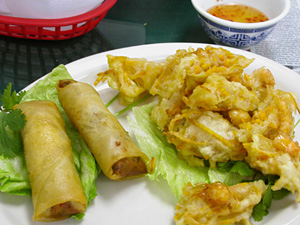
pixel 54 29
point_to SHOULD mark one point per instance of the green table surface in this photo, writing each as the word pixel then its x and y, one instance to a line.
pixel 128 23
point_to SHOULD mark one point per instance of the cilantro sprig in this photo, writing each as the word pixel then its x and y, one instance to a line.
pixel 262 208
pixel 11 122
pixel 240 167
pixel 9 98
pixel 244 170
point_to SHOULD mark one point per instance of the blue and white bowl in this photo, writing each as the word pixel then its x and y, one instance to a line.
pixel 240 35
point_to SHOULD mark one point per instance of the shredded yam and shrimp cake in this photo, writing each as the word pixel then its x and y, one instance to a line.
pixel 205 135
pixel 217 203
pixel 212 110
pixel 131 76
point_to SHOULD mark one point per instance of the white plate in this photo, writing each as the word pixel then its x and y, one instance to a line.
pixel 141 201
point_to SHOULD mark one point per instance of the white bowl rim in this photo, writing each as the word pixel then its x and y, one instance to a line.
pixel 244 26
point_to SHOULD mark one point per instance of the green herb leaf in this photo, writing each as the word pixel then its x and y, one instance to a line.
pixel 10 125
pixel 271 179
pixel 11 122
pixel 261 209
pixel 15 120
pixel 267 199
pixel 9 98
pixel 242 168
pixel 280 194
pixel 225 166
pixel 239 167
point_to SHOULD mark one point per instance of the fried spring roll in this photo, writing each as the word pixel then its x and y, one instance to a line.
pixel 113 149
pixel 56 188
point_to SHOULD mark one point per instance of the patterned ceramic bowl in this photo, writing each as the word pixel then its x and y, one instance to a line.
pixel 241 35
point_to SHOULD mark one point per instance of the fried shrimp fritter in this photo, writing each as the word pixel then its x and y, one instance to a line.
pixel 268 140
pixel 206 135
pixel 278 157
pixel 216 203
pixel 131 76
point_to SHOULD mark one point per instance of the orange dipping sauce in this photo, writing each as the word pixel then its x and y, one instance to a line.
pixel 238 13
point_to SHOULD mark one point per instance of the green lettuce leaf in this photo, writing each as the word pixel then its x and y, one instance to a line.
pixel 13 175
pixel 167 165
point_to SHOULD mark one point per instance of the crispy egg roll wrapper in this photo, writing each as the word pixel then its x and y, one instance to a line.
pixel 114 150
pixel 56 188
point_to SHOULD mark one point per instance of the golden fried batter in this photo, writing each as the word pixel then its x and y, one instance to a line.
pixel 132 77
pixel 216 203
pixel 206 135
